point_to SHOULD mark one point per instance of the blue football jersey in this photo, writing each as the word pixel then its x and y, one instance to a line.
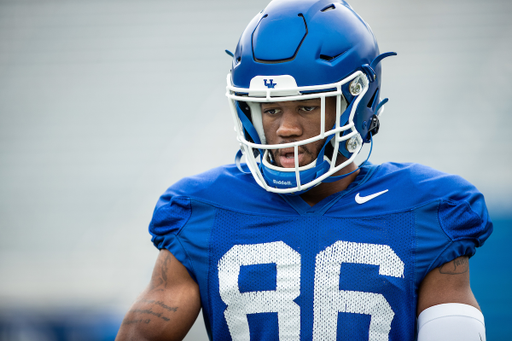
pixel 270 267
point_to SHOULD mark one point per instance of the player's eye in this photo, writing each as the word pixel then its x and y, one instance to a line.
pixel 271 111
pixel 307 108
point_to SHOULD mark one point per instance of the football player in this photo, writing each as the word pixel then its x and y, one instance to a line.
pixel 299 242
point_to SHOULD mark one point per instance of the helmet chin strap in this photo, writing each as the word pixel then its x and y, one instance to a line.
pixel 238 163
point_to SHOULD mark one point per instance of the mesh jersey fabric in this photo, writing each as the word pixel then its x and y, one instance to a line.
pixel 271 267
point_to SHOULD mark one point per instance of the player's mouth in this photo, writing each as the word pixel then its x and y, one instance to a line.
pixel 286 157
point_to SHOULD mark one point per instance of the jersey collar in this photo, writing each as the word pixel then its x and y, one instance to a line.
pixel 303 208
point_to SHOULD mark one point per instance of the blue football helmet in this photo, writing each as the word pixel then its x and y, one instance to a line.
pixel 297 50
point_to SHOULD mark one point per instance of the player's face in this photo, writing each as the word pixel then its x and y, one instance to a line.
pixel 293 121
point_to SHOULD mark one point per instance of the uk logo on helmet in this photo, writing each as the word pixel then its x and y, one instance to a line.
pixel 271 84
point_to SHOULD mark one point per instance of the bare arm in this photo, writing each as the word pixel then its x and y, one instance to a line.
pixel 448 283
pixel 167 308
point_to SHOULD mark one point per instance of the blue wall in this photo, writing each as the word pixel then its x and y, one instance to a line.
pixel 491 280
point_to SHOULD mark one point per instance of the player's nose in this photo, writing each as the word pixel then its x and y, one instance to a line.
pixel 289 124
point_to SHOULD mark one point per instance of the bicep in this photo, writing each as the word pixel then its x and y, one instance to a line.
pixel 448 283
pixel 168 306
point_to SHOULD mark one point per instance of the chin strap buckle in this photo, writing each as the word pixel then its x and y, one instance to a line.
pixel 374 126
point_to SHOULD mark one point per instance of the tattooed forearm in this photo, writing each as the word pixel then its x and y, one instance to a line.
pixel 159 279
pixel 146 321
pixel 456 267
pixel 151 312
pixel 167 262
pixel 155 284
pixel 161 304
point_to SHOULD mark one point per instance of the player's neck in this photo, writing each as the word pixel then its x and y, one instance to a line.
pixel 322 191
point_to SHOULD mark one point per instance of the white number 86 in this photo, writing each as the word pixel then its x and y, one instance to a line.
pixel 328 299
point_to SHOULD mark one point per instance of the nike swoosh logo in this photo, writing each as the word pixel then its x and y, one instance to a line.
pixel 361 200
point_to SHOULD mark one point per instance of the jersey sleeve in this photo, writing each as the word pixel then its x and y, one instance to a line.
pixel 461 224
pixel 171 214
pixel 467 224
